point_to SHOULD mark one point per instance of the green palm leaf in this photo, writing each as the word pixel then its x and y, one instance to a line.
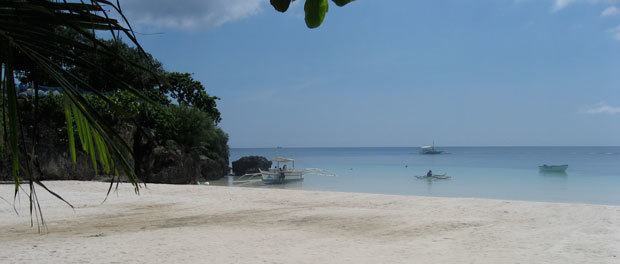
pixel 315 12
pixel 11 104
pixel 31 30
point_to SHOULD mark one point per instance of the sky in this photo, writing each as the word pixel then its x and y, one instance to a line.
pixel 399 72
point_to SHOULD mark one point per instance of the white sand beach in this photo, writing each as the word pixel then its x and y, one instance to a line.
pixel 208 224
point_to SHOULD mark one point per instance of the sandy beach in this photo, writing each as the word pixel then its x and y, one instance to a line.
pixel 209 224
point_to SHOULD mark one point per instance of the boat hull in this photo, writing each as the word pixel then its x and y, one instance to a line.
pixel 280 177
pixel 279 181
pixel 432 152
pixel 553 168
pixel 434 177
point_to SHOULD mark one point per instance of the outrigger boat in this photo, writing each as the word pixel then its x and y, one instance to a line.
pixel 553 168
pixel 434 177
pixel 282 174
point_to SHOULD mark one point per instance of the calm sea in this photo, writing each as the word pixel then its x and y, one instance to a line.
pixel 593 175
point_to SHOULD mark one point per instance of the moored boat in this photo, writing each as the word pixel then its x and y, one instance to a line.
pixel 282 173
pixel 430 149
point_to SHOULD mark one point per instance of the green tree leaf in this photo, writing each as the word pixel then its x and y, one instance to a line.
pixel 315 12
pixel 281 5
pixel 342 2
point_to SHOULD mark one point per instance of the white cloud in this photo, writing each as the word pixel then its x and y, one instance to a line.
pixel 603 108
pixel 561 4
pixel 615 33
pixel 188 14
pixel 610 11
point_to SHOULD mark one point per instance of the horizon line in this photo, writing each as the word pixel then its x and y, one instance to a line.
pixel 458 146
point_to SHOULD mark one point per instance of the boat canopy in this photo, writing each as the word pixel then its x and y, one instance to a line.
pixel 283 159
pixel 426 147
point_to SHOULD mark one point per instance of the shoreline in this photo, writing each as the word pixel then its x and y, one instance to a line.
pixel 195 223
pixel 418 196
pixel 331 191
pixel 423 196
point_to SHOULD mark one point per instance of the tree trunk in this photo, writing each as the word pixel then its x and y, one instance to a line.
pixel 142 152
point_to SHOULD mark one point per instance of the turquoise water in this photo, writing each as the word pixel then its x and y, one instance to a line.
pixel 593 175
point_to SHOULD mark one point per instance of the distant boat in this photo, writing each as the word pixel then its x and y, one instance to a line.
pixel 430 149
pixel 434 177
pixel 553 168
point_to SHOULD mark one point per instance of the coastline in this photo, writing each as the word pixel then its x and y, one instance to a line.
pixel 198 224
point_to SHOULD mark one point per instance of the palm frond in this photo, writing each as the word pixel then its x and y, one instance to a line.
pixel 68 109
pixel 29 30
pixel 11 92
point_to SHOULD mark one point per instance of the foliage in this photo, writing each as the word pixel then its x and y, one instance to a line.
pixel 131 75
pixel 34 43
pixel 150 123
pixel 315 10
pixel 174 127
pixel 110 90
pixel 189 92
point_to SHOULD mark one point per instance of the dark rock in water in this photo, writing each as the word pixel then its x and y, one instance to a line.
pixel 250 164
pixel 212 169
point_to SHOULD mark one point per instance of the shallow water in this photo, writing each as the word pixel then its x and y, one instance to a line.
pixel 593 175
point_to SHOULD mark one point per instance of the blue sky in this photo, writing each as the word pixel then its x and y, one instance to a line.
pixel 400 72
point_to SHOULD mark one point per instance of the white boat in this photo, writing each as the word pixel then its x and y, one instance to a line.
pixel 282 173
pixel 553 168
pixel 430 149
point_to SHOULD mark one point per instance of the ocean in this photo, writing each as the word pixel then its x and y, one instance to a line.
pixel 511 173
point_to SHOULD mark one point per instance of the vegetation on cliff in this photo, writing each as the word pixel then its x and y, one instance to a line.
pixel 81 98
